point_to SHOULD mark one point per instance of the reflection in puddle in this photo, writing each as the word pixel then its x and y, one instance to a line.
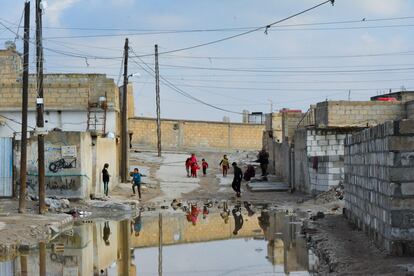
pixel 240 240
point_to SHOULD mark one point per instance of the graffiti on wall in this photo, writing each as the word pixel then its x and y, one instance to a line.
pixel 61 164
pixel 63 183
pixel 57 183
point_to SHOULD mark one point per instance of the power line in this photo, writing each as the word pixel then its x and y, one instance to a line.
pixel 265 28
pixel 178 90
pixel 252 89
pixel 288 82
pixel 136 31
pixel 260 70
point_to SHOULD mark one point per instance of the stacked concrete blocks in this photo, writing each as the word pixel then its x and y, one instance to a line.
pixel 327 147
pixel 357 113
pixel 379 184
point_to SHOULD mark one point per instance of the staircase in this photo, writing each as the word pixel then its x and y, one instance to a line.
pixel 96 119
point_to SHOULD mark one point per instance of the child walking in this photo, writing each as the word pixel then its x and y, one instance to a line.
pixel 105 178
pixel 224 163
pixel 204 165
pixel 194 168
pixel 136 181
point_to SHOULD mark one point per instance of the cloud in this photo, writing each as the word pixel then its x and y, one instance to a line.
pixel 56 8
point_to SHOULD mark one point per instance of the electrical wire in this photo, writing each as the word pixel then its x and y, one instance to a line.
pixel 175 88
pixel 265 28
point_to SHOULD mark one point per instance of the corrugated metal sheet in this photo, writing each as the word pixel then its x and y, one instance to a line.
pixel 7 268
pixel 6 167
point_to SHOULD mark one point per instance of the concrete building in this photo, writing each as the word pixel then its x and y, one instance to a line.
pixel 73 103
pixel 319 143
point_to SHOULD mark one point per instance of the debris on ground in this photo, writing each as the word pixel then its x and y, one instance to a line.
pixel 333 194
pixel 57 204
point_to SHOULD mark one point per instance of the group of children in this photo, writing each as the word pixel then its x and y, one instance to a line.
pixel 191 166
pixel 135 179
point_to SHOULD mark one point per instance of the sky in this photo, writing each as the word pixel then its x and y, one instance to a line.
pixel 352 50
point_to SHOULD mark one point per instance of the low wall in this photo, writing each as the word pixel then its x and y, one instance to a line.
pixel 357 113
pixel 379 184
pixel 196 135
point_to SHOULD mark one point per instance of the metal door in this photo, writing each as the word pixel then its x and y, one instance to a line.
pixel 6 167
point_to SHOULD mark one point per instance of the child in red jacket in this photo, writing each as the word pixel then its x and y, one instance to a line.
pixel 204 165
pixel 194 168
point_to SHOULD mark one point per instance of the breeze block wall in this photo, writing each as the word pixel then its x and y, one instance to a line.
pixel 379 184
pixel 319 159
pixel 196 135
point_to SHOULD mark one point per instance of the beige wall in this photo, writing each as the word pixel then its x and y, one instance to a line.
pixel 357 113
pixel 105 152
pixel 62 91
pixel 198 135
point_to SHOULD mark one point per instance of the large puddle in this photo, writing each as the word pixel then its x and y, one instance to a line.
pixel 233 240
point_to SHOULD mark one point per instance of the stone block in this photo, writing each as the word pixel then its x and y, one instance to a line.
pixel 400 143
pixel 407 189
pixel 401 175
pixel 406 127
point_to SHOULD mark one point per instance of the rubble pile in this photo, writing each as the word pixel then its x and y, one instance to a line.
pixel 333 194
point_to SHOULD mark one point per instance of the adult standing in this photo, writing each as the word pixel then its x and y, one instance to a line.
pixel 238 219
pixel 263 159
pixel 238 175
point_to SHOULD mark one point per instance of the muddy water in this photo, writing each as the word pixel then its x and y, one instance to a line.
pixel 226 241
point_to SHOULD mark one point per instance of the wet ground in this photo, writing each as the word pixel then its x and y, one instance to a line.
pixel 216 239
pixel 263 236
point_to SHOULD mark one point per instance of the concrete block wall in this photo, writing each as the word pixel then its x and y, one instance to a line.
pixel 409 110
pixel 326 148
pixel 379 184
pixel 357 113
pixel 196 135
pixel 319 159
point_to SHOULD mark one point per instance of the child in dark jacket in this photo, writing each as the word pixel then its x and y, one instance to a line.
pixel 136 181
pixel 204 165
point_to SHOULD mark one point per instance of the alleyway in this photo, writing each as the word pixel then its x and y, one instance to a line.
pixel 266 238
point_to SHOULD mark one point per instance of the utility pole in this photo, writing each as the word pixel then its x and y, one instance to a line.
pixel 40 124
pixel 124 118
pixel 25 96
pixel 157 91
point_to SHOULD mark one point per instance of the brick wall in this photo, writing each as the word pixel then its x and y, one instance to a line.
pixel 198 135
pixel 379 184
pixel 357 113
